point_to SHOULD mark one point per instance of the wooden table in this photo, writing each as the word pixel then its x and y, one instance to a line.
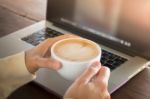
pixel 16 14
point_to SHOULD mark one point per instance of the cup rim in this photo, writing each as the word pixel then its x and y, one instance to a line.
pixel 76 62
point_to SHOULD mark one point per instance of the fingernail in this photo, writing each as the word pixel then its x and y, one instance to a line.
pixel 96 65
pixel 104 68
pixel 58 65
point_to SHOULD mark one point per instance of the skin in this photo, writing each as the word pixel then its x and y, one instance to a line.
pixel 92 84
pixel 39 56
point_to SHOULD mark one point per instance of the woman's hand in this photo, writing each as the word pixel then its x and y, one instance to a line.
pixel 92 84
pixel 39 56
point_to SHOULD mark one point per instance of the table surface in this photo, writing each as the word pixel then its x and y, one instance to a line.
pixel 18 14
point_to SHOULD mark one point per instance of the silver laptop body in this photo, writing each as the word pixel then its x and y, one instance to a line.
pixel 51 80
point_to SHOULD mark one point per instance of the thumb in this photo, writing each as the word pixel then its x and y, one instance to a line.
pixel 103 76
pixel 89 73
pixel 48 63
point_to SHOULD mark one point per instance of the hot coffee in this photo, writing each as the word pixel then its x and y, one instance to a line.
pixel 76 50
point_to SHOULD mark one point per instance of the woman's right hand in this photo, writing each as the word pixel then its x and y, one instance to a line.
pixel 92 84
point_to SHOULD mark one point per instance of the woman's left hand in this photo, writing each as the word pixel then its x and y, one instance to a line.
pixel 39 56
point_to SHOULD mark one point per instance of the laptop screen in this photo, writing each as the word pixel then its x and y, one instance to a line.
pixel 124 22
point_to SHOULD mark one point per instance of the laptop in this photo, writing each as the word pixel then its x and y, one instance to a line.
pixel 124 56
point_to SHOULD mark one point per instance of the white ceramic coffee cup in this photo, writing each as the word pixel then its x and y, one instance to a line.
pixel 72 69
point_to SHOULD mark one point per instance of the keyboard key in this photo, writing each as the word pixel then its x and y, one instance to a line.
pixel 111 60
pixel 41 35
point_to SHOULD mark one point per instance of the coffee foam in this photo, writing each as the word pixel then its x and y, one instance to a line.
pixel 76 50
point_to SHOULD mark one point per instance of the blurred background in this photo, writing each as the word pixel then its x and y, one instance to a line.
pixel 17 14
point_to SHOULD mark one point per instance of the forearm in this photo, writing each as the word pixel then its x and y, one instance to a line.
pixel 13 74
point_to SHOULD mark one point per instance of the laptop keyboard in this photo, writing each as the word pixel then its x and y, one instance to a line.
pixel 111 60
pixel 40 36
pixel 108 59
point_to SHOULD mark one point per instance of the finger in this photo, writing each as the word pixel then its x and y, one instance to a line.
pixel 66 36
pixel 43 47
pixel 89 73
pixel 103 76
pixel 47 54
pixel 48 63
pixel 105 95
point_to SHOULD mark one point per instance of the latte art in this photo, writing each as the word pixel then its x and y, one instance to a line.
pixel 76 50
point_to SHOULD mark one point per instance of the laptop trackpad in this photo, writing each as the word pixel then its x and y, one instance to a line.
pixel 53 81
